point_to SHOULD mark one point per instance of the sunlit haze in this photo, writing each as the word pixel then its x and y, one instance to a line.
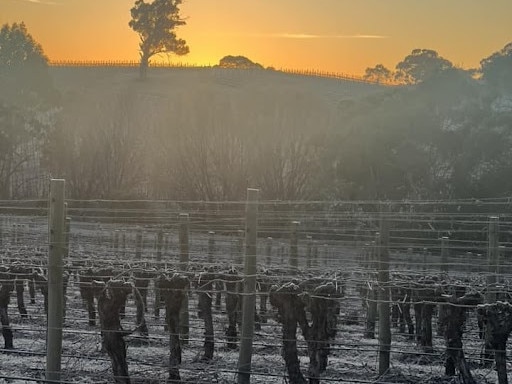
pixel 332 35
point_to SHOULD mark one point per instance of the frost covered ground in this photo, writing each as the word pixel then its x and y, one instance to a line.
pixel 353 358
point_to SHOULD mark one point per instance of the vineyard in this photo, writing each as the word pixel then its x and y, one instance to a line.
pixel 348 292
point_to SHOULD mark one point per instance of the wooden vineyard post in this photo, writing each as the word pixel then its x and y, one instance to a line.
pixel 138 245
pixel 444 253
pixel 315 252
pixel 211 246
pixel 501 259
pixel 116 241
pixel 409 258
pixel 166 242
pixel 425 260
pixel 375 254
pixel 309 250
pixel 67 232
pixel 268 250
pixel 384 297
pixel 123 242
pixel 1 231
pixel 184 260
pixel 294 252
pixel 357 236
pixel 20 236
pixel 365 255
pixel 325 254
pixel 493 259
pixel 55 288
pixel 184 231
pixel 14 238
pixel 240 248
pixel 249 296
pixel 159 245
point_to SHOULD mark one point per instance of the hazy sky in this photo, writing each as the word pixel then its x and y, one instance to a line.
pixel 334 35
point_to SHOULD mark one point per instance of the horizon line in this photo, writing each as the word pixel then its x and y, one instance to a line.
pixel 135 63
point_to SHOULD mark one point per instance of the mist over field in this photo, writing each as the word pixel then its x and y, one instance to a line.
pixel 209 133
pixel 426 129
pixel 202 133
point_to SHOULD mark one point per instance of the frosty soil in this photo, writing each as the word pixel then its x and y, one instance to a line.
pixel 352 358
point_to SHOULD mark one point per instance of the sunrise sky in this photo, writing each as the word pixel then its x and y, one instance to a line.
pixel 333 35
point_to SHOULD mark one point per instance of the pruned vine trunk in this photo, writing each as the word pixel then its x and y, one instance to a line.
pixel 231 280
pixel 111 299
pixel 7 286
pixel 497 321
pixel 289 305
pixel 371 311
pixel 451 321
pixel 205 287
pixel 173 291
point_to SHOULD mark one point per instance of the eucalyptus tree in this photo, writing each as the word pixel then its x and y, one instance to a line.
pixel 420 65
pixel 497 68
pixel 27 107
pixel 156 22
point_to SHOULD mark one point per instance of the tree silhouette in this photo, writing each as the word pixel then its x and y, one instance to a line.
pixel 421 65
pixel 379 74
pixel 496 69
pixel 241 62
pixel 155 23
pixel 27 97
pixel 24 78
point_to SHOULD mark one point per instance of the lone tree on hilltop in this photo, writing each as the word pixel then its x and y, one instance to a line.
pixel 155 22
pixel 240 62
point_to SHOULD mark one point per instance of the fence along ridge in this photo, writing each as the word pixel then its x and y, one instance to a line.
pixel 180 65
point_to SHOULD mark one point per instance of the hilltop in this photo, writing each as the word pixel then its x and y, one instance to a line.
pixel 81 84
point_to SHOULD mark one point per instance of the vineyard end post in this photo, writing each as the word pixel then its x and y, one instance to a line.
pixel 249 296
pixel 56 224
pixel 384 297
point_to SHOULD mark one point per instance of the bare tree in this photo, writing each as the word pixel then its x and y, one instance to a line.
pixel 101 155
pixel 285 166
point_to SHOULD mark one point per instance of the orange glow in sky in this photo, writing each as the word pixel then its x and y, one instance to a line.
pixel 332 35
